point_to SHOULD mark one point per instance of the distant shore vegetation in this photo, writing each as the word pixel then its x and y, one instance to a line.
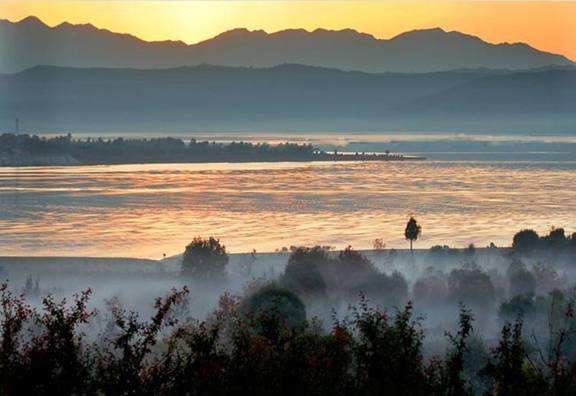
pixel 24 149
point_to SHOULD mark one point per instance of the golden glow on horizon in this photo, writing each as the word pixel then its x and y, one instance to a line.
pixel 547 26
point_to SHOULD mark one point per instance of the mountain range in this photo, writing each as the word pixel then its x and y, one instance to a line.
pixel 30 42
pixel 286 97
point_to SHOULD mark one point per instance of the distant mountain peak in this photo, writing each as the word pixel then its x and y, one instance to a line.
pixel 239 33
pixel 299 32
pixel 344 33
pixel 433 34
pixel 84 26
pixel 436 31
pixel 32 21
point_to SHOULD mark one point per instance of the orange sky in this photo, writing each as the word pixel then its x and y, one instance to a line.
pixel 545 25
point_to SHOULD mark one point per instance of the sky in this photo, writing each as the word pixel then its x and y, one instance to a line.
pixel 546 25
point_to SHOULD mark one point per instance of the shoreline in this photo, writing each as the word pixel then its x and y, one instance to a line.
pixel 70 161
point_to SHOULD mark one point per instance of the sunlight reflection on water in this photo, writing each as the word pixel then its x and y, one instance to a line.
pixel 148 210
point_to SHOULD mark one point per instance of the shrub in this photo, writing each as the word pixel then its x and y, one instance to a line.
pixel 547 278
pixel 123 366
pixel 522 306
pixel 430 289
pixel 205 259
pixel 305 270
pixel 378 245
pixel 471 287
pixel 439 249
pixel 470 250
pixel 571 241
pixel 371 353
pixel 455 358
pixel 389 353
pixel 507 369
pixel 273 304
pixel 52 359
pixel 383 289
pixel 351 268
pixel 521 280
pixel 437 254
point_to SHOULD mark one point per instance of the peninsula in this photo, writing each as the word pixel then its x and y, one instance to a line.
pixel 32 150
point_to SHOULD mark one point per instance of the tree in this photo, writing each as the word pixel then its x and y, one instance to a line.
pixel 526 241
pixel 353 264
pixel 378 245
pixel 274 305
pixel 471 287
pixel 413 231
pixel 205 259
pixel 556 239
pixel 305 269
pixel 521 280
pixel 383 289
pixel 351 268
pixel 430 289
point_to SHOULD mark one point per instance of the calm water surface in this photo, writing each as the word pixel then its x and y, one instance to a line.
pixel 148 210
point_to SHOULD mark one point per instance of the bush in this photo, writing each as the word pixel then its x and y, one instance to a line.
pixel 305 270
pixel 370 353
pixel 273 304
pixel 430 289
pixel 523 306
pixel 439 253
pixel 205 259
pixel 351 268
pixel 389 354
pixel 385 290
pixel 51 360
pixel 547 278
pixel 521 280
pixel 471 287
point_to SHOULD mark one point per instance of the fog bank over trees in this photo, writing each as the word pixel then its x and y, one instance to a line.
pixel 352 321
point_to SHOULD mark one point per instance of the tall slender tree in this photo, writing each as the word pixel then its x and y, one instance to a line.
pixel 412 231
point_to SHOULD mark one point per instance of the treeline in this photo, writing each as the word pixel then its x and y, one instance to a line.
pixel 120 150
pixel 528 241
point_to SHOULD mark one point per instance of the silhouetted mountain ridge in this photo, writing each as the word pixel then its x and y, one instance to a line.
pixel 31 42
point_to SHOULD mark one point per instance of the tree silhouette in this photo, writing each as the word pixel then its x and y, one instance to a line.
pixel 412 231
pixel 205 259
pixel 305 269
pixel 526 241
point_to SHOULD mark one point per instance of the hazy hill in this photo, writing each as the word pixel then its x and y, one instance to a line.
pixel 292 97
pixel 542 92
pixel 30 42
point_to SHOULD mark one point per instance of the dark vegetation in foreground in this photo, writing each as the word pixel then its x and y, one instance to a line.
pixel 264 341
pixel 27 149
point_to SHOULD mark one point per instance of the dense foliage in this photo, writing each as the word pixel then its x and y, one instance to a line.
pixel 45 352
pixel 267 341
pixel 205 259
pixel 528 241
pixel 166 149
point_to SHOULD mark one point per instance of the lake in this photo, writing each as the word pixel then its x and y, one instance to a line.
pixel 151 210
